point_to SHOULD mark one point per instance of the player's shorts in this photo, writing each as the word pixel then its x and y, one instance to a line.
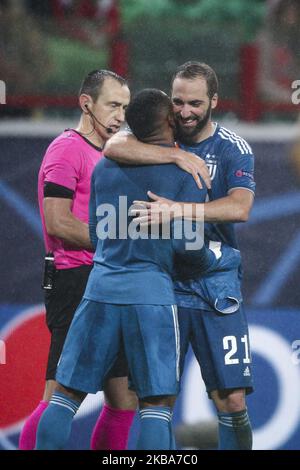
pixel 61 303
pixel 221 345
pixel 151 342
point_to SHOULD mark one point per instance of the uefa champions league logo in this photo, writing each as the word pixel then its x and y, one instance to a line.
pixel 296 352
pixel 2 92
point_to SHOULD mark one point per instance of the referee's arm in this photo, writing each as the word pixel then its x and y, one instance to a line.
pixel 61 223
pixel 92 215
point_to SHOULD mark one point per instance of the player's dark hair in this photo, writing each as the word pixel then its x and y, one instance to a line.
pixel 146 112
pixel 93 82
pixel 193 69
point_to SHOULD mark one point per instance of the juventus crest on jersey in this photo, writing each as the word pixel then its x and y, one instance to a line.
pixel 211 163
pixel 231 166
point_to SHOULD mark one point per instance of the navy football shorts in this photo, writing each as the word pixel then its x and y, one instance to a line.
pixel 151 341
pixel 221 345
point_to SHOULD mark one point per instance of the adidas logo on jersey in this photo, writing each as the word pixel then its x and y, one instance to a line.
pixel 247 372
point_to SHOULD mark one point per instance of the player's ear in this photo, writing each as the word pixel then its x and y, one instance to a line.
pixel 85 103
pixel 214 101
pixel 171 120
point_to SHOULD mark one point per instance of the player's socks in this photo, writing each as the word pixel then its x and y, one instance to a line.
pixel 28 434
pixel 173 445
pixel 155 428
pixel 55 425
pixel 235 431
pixel 112 428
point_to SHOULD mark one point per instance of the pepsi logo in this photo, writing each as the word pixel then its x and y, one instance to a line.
pixel 22 376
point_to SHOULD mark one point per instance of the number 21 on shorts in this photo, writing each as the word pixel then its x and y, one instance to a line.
pixel 230 344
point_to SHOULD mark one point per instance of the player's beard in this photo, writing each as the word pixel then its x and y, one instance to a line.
pixel 189 135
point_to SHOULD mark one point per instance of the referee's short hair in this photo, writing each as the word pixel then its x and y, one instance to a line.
pixel 147 111
pixel 94 80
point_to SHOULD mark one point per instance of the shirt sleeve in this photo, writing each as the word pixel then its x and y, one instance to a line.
pixel 92 214
pixel 63 166
pixel 240 168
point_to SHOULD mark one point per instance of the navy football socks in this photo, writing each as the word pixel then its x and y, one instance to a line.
pixel 235 431
pixel 55 425
pixel 156 430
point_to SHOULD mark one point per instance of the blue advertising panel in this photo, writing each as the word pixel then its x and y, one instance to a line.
pixel 270 245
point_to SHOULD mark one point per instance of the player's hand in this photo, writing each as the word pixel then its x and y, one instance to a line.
pixel 162 210
pixel 194 165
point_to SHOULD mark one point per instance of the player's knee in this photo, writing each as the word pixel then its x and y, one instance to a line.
pixel 118 395
pixel 71 393
pixel 161 400
pixel 230 401
pixel 128 401
pixel 234 404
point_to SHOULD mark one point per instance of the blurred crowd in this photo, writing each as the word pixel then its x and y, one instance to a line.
pixel 279 50
pixel 38 38
pixel 47 46
pixel 86 20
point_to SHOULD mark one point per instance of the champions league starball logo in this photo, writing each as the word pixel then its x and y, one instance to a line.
pixel 26 342
pixel 24 346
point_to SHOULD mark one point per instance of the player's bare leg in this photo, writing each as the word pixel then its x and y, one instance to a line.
pixel 117 394
pixel 229 401
pixel 49 389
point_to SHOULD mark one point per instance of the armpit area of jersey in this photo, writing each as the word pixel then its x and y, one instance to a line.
pixel 56 190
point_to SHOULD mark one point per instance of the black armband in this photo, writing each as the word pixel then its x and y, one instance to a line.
pixel 56 190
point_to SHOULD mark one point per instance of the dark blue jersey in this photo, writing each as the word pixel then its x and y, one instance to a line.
pixel 231 165
pixel 127 270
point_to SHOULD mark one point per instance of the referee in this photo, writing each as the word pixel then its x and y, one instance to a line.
pixel 64 192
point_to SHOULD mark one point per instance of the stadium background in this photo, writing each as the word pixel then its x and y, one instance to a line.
pixel 270 241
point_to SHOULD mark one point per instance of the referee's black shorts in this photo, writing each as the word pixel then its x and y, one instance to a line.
pixel 61 303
